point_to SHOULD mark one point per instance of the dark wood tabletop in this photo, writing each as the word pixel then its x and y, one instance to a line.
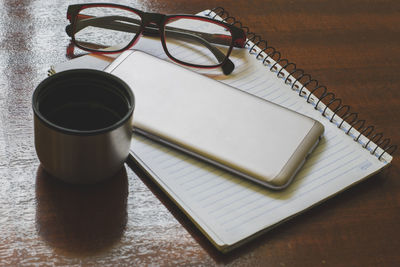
pixel 350 46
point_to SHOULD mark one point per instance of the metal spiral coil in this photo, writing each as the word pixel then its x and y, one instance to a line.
pixel 334 103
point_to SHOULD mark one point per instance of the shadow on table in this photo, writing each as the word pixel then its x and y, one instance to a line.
pixel 81 219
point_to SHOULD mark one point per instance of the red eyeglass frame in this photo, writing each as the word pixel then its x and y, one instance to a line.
pixel 238 36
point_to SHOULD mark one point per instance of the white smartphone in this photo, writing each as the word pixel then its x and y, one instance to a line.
pixel 225 126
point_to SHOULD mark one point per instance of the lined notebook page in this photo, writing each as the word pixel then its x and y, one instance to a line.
pixel 229 209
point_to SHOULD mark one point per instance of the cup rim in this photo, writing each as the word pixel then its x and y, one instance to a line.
pixel 65 75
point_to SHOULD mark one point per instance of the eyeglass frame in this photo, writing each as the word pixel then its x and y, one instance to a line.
pixel 160 20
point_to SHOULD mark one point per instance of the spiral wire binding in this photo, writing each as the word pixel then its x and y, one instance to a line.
pixel 332 102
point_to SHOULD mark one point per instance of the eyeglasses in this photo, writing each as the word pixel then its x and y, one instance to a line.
pixel 189 40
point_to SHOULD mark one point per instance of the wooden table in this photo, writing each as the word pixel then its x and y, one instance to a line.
pixel 352 47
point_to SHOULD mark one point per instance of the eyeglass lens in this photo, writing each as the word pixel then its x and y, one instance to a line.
pixel 195 41
pixel 106 28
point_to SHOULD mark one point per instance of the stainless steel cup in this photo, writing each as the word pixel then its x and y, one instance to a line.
pixel 82 124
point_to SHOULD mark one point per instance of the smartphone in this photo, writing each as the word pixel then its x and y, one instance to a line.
pixel 234 130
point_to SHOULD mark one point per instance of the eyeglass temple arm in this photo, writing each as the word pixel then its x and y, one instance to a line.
pixel 114 22
pixel 216 52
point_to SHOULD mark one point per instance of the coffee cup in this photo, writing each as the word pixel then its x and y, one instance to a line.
pixel 82 124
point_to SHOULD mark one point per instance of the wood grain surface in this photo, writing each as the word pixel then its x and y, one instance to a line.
pixel 351 46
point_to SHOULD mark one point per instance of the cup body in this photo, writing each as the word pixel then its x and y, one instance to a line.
pixel 82 125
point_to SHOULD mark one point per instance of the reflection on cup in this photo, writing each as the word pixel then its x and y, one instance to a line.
pixel 81 219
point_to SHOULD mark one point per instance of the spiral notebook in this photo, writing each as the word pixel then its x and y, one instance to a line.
pixel 230 210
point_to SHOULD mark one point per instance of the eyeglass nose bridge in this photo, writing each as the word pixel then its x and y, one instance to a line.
pixel 151 25
pixel 152 19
